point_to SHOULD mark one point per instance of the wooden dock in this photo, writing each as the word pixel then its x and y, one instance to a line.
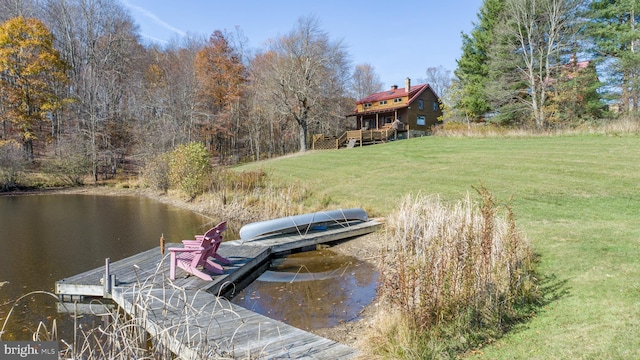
pixel 187 316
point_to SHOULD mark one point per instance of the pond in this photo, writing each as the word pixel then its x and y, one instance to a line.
pixel 312 290
pixel 45 238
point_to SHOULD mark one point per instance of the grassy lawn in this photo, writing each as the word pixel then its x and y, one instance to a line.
pixel 577 198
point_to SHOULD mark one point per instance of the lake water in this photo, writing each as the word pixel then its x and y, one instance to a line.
pixel 312 290
pixel 45 238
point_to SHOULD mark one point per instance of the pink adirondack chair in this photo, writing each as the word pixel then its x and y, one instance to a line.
pixel 196 254
pixel 215 236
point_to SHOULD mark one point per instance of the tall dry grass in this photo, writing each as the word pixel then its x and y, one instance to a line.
pixel 251 196
pixel 624 125
pixel 452 277
pixel 160 314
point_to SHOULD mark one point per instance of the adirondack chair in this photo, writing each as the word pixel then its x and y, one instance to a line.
pixel 196 253
pixel 215 235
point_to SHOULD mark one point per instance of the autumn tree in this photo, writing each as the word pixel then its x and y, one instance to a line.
pixel 307 64
pixel 365 81
pixel 30 70
pixel 575 97
pixel 222 75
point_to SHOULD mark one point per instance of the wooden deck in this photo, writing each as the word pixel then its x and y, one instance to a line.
pixel 188 317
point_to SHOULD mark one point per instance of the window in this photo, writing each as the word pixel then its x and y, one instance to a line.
pixel 435 106
pixel 420 104
pixel 383 102
pixel 397 100
pixel 367 105
pixel 421 121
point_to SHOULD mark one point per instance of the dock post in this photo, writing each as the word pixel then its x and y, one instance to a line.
pixel 107 278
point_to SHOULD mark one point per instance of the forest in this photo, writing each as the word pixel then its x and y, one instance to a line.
pixel 82 95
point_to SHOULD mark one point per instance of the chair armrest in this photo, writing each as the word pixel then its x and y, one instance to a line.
pixel 192 249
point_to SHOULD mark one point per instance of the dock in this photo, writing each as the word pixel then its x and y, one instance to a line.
pixel 192 317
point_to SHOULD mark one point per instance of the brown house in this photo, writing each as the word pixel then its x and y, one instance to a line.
pixel 417 108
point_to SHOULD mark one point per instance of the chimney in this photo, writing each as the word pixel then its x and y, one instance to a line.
pixel 394 87
pixel 407 85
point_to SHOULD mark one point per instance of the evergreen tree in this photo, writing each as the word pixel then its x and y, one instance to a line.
pixel 613 30
pixel 473 71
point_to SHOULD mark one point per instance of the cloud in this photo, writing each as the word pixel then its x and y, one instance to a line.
pixel 155 18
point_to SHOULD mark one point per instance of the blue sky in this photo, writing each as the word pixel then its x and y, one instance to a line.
pixel 399 39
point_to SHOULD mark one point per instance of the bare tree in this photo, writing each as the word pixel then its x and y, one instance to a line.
pixel 365 81
pixel 306 64
pixel 15 8
pixel 99 41
pixel 538 32
pixel 439 79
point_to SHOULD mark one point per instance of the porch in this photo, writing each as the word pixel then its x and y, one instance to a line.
pixel 359 137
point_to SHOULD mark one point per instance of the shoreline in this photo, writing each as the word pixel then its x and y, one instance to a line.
pixel 365 248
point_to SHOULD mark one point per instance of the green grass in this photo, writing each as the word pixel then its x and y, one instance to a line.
pixel 577 198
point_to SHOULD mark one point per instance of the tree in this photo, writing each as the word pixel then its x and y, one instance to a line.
pixel 306 65
pixel 575 97
pixel 30 70
pixel 528 55
pixel 612 28
pixel 98 39
pixel 365 81
pixel 473 65
pixel 439 79
pixel 223 76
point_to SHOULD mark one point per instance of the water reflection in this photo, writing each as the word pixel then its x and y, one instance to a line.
pixel 45 238
pixel 312 290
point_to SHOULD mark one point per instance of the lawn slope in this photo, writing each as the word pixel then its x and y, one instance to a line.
pixel 577 198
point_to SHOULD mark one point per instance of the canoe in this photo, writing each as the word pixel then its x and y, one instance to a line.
pixel 302 223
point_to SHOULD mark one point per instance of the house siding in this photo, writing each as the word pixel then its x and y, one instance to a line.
pixel 383 109
pixel 430 115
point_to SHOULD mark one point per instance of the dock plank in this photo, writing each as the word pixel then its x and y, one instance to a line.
pixel 188 317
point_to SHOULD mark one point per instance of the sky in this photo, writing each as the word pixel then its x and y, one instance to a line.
pixel 399 39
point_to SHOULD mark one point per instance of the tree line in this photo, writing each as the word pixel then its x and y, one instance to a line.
pixel 89 94
pixel 81 90
pixel 548 63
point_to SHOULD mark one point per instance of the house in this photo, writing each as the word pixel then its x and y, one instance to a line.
pixel 417 107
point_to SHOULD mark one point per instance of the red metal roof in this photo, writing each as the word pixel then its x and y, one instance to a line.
pixel 394 93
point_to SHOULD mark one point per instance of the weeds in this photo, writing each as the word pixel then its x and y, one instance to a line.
pixel 455 276
pixel 145 331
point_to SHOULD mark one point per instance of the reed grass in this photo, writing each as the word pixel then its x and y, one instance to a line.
pixel 145 331
pixel 453 270
pixel 623 126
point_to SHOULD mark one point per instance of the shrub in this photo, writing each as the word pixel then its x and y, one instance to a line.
pixel 189 168
pixel 12 161
pixel 457 275
pixel 156 173
pixel 71 163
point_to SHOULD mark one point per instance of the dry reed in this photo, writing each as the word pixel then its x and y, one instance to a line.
pixel 624 125
pixel 454 272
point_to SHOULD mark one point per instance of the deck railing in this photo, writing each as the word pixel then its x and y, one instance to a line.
pixel 361 137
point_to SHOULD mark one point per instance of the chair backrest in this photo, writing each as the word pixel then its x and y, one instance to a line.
pixel 216 231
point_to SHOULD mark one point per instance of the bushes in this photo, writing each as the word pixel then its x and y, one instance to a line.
pixel 186 168
pixel 456 276
pixel 71 163
pixel 12 162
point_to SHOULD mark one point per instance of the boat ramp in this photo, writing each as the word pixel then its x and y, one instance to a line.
pixel 192 317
